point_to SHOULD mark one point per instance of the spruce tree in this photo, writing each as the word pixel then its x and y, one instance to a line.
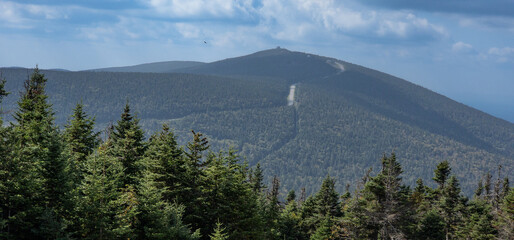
pixel 38 168
pixel 441 173
pixel 160 217
pixel 505 222
pixel 81 140
pixel 167 161
pixel 229 198
pixel 451 207
pixel 128 146
pixel 219 232
pixel 98 203
pixel 387 201
pixel 6 164
pixel 327 199
pixel 194 182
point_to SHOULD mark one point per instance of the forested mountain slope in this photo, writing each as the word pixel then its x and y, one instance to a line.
pixel 344 116
pixel 157 67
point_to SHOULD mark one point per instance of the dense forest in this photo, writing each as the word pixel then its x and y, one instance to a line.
pixel 72 184
pixel 340 122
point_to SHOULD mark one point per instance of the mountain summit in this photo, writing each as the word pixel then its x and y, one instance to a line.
pixel 301 116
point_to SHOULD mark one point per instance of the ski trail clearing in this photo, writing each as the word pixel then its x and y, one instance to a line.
pixel 290 97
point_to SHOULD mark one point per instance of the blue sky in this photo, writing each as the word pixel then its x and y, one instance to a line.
pixel 463 49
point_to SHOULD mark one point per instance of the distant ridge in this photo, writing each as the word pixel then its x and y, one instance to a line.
pixel 156 67
pixel 340 121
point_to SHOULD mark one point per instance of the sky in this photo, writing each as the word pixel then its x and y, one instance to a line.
pixel 463 49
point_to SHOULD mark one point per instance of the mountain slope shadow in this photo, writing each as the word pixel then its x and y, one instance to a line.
pixel 381 97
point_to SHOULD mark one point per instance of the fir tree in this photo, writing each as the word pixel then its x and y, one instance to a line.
pixel 441 173
pixel 37 167
pixel 100 192
pixel 81 140
pixel 505 222
pixel 327 199
pixel 128 146
pixel 166 160
pixel 451 207
pixel 219 232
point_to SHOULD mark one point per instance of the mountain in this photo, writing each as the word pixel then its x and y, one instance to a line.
pixel 341 120
pixel 157 67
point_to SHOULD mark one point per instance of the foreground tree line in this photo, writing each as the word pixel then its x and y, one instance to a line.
pixel 73 185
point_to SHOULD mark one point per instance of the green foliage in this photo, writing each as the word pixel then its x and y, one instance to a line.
pixel 55 186
pixel 431 226
pixel 441 173
pixel 127 145
pixel 219 233
pixel 229 196
pixel 302 143
pixel 36 167
pixel 81 140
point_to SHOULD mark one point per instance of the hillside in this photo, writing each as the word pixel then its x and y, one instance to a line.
pixel 343 119
pixel 157 67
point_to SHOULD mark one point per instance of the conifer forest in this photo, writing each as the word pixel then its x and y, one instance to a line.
pixel 76 183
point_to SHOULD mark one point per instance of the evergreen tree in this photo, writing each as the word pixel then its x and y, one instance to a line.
pixel 289 222
pixel 257 179
pixel 505 222
pixel 194 183
pixel 479 221
pixel 81 140
pixel 100 192
pixel 6 164
pixel 441 173
pixel 166 160
pixel 128 146
pixel 451 207
pixel 386 203
pixel 324 231
pixel 431 226
pixel 158 219
pixel 272 209
pixel 229 198
pixel 291 196
pixel 37 197
pixel 327 199
pixel 219 232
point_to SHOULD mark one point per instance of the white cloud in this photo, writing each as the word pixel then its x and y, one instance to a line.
pixel 506 51
pixel 188 30
pixel 297 18
pixel 198 8
pixel 502 54
pixel 462 47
